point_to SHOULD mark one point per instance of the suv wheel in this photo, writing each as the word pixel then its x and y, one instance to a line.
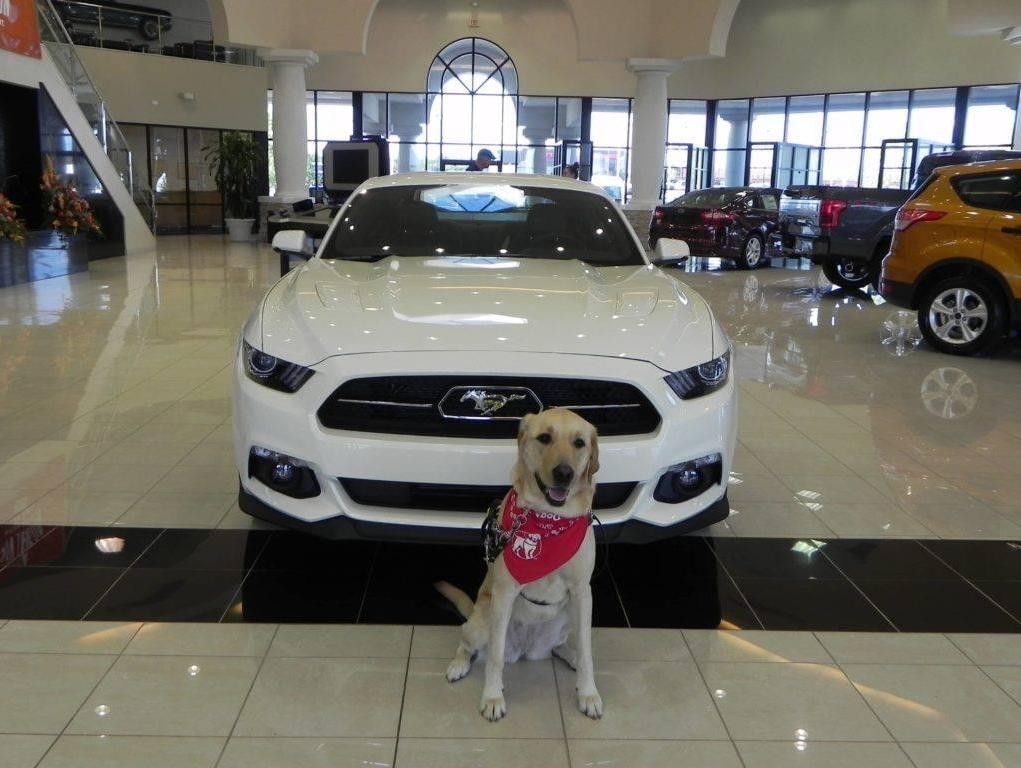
pixel 850 274
pixel 961 315
pixel 752 253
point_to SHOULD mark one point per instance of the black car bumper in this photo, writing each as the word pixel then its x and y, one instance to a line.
pixel 898 294
pixel 630 532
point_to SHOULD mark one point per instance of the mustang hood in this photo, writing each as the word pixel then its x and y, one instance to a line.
pixel 455 303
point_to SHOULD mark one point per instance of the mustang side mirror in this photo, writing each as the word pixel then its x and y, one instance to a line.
pixel 291 242
pixel 669 252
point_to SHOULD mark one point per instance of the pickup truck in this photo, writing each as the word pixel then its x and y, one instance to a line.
pixel 848 230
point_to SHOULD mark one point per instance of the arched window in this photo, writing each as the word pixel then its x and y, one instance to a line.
pixel 472 90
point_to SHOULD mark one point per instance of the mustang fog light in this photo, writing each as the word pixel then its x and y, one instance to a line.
pixel 689 479
pixel 284 474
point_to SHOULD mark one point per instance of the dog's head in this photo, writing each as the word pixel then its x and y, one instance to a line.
pixel 558 453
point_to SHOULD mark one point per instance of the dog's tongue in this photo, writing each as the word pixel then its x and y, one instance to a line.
pixel 557 494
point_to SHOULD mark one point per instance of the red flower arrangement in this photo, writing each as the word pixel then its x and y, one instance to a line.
pixel 11 227
pixel 69 213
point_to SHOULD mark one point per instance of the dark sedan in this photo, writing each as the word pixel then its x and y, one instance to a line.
pixel 149 22
pixel 728 222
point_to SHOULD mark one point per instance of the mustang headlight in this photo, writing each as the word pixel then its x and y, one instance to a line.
pixel 701 379
pixel 272 371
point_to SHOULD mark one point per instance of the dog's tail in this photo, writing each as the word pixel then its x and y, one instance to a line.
pixel 460 599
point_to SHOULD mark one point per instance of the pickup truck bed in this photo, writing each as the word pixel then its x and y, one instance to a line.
pixel 842 228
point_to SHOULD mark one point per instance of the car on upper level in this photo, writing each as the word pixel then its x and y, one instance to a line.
pixel 378 387
pixel 956 256
pixel 848 229
pixel 735 223
pixel 148 22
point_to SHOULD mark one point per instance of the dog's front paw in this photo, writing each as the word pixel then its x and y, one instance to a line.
pixel 457 669
pixel 493 708
pixel 591 704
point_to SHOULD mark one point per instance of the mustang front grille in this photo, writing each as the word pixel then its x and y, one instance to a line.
pixel 457 498
pixel 481 406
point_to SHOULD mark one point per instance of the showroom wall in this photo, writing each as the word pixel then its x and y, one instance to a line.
pixel 405 35
pixel 226 95
pixel 779 47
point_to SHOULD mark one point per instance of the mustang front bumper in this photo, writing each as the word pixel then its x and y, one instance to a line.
pixel 287 424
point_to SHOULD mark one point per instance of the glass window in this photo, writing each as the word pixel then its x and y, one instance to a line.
pixel 136 138
pixel 472 105
pixel 845 120
pixel 732 123
pixel 611 122
pixel 999 192
pixel 686 122
pixel 932 115
pixel 992 112
pixel 334 116
pixel 887 118
pixel 374 119
pixel 840 167
pixel 169 180
pixel 568 118
pixel 768 119
pixel 406 116
pixel 804 121
pixel 728 168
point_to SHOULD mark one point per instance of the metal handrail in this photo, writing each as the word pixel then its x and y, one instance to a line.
pixel 93 106
pixel 160 44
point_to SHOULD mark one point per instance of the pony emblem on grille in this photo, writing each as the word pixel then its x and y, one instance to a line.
pixel 487 404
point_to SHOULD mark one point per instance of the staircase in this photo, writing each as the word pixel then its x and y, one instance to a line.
pixel 95 130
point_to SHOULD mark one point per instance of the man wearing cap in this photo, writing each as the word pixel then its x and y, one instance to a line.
pixel 482 161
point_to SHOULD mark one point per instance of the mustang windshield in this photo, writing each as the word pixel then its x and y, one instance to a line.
pixel 482 219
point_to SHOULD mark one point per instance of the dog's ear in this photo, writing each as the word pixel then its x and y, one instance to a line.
pixel 523 429
pixel 593 456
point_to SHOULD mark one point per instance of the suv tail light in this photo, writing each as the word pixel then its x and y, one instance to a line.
pixel 717 217
pixel 907 216
pixel 829 213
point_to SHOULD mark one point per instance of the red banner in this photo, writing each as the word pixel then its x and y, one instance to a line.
pixel 19 27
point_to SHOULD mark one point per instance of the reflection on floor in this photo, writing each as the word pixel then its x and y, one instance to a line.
pixel 43 255
pixel 848 427
pixel 147 574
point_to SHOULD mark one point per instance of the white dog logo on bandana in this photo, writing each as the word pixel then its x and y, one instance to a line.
pixel 527 545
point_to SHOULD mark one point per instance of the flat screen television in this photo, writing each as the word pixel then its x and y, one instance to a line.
pixel 346 164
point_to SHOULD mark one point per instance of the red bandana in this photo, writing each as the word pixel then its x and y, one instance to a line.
pixel 541 542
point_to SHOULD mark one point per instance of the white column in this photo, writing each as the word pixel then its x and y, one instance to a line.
pixel 290 131
pixel 648 139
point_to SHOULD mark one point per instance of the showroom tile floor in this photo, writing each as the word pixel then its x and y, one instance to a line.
pixel 843 432
pixel 874 488
pixel 88 694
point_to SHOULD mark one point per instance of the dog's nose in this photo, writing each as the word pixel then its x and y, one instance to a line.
pixel 562 474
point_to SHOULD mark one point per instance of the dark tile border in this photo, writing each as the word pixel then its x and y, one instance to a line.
pixel 147 574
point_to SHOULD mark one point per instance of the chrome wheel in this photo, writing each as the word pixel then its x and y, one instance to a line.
pixel 753 252
pixel 958 316
pixel 949 393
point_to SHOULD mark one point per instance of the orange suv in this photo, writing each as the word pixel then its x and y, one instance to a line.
pixel 956 256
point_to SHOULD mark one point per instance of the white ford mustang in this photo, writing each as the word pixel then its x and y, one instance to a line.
pixel 379 386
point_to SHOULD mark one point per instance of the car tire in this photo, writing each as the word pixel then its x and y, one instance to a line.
pixel 850 274
pixel 150 29
pixel 974 328
pixel 753 253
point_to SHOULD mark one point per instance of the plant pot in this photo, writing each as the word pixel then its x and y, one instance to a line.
pixel 240 230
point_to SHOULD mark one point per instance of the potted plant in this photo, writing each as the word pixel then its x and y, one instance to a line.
pixel 11 227
pixel 67 211
pixel 236 161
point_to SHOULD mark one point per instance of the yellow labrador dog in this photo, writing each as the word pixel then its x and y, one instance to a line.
pixel 536 598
